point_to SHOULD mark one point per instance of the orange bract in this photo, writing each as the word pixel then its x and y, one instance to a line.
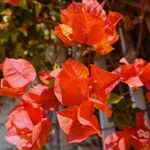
pixel 103 82
pixel 74 85
pixel 87 23
pixel 86 117
pixel 87 29
pixel 18 74
pixel 138 137
pixel 63 32
pixel 7 90
pixel 71 85
pixel 27 127
pixel 129 73
pixel 43 96
pixel 102 106
pixel 111 35
pixel 78 123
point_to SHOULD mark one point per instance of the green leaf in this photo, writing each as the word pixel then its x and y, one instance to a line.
pixel 114 98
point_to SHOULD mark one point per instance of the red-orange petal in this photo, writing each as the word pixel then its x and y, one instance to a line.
pixel 19 73
pixel 43 96
pixel 67 118
pixel 71 85
pixel 91 29
pixel 103 82
pixel 63 32
pixel 86 116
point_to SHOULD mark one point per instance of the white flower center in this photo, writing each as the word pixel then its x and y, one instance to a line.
pixel 143 134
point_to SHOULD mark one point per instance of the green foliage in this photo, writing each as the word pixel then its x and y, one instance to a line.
pixel 27 31
pixel 123 114
pixel 114 98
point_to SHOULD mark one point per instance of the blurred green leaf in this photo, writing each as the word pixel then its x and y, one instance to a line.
pixel 114 98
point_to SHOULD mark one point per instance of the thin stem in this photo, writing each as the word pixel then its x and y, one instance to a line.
pixel 89 58
pixel 82 51
pixel 140 36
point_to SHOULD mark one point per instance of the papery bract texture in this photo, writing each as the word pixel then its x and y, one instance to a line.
pixel 129 73
pixel 97 30
pixel 18 74
pixel 74 85
pixel 138 137
pixel 103 82
pixel 71 85
pixel 79 123
pixel 43 96
pixel 27 127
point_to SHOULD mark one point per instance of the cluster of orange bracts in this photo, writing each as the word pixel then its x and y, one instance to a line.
pixel 87 23
pixel 74 86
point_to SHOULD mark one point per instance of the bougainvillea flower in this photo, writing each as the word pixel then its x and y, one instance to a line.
pixel 43 96
pixel 63 32
pixel 19 73
pixel 12 2
pixel 79 122
pixel 91 7
pixel 71 85
pixel 103 106
pixel 27 127
pixel 103 82
pixel 91 29
pixel 138 137
pixel 111 36
pixel 97 30
pixel 129 73
pixel 7 90
pixel 84 35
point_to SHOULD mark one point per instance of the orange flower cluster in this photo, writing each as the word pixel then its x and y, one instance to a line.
pixel 72 86
pixel 18 74
pixel 82 91
pixel 79 89
pixel 87 23
pixel 27 124
pixel 135 75
pixel 138 137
